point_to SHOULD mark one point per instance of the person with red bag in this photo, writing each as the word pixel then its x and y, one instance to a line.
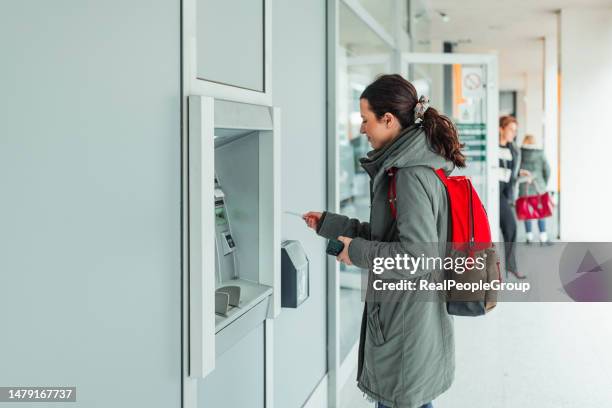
pixel 534 161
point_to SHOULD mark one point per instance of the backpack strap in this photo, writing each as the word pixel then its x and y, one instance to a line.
pixel 449 232
pixel 392 191
pixel 442 176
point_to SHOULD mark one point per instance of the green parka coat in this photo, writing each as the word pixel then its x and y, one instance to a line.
pixel 534 160
pixel 406 347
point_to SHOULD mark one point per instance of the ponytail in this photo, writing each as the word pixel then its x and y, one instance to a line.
pixel 443 136
pixel 394 94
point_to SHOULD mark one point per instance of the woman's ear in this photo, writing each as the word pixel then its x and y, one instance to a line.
pixel 389 119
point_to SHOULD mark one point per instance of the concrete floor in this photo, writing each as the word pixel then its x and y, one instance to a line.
pixel 532 355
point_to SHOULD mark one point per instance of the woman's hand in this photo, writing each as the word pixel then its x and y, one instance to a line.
pixel 344 255
pixel 527 174
pixel 312 219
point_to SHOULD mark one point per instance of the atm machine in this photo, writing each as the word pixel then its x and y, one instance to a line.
pixel 234 250
pixel 231 205
pixel 235 293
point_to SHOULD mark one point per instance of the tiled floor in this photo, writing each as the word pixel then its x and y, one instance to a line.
pixel 529 355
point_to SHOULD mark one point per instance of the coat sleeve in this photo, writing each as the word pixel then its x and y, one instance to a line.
pixel 332 225
pixel 417 222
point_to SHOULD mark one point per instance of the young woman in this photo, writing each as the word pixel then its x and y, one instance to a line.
pixel 406 350
pixel 509 161
pixel 534 161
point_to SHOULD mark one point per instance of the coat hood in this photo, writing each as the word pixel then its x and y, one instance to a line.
pixel 409 149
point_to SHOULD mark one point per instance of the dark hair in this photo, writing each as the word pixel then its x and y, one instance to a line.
pixel 506 120
pixel 395 95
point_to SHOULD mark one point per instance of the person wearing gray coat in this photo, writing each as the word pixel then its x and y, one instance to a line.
pixel 534 161
pixel 406 347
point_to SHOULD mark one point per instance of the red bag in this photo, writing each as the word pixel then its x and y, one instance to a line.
pixel 534 207
pixel 469 221
pixel 470 225
pixel 470 235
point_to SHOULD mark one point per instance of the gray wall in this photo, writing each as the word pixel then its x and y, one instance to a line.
pixel 238 379
pixel 90 208
pixel 239 59
pixel 298 53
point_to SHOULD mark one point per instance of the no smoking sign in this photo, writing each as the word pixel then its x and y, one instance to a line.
pixel 472 81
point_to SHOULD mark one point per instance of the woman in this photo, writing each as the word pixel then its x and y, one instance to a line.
pixel 534 161
pixel 406 348
pixel 509 159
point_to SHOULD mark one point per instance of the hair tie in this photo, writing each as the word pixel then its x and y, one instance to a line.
pixel 420 108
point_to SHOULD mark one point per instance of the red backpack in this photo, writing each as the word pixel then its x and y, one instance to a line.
pixel 469 236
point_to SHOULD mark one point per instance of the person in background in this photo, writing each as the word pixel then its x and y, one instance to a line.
pixel 534 161
pixel 509 160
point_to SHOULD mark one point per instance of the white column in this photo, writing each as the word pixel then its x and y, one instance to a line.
pixel 534 123
pixel 586 141
pixel 551 107
pixel 521 107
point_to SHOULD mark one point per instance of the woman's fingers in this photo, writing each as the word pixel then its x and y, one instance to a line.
pixel 344 256
pixel 312 214
pixel 310 221
pixel 312 218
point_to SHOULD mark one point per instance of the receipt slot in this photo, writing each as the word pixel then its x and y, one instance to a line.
pixel 233 225
pixel 295 279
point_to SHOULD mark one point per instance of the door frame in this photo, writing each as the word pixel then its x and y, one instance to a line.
pixel 490 64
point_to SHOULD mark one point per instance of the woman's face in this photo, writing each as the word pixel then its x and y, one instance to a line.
pixel 508 133
pixel 381 131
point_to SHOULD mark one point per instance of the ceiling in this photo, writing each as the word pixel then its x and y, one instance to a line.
pixel 512 29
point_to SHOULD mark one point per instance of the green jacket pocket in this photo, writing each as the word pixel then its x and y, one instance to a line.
pixel 374 328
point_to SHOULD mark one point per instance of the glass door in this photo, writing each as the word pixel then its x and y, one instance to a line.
pixel 464 88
